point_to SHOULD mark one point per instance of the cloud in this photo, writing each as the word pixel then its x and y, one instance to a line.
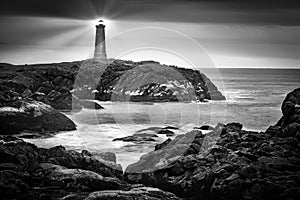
pixel 229 29
pixel 282 12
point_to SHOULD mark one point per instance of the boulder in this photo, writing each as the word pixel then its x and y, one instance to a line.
pixel 8 97
pixel 77 179
pixel 17 154
pixel 57 81
pixel 138 137
pixel 290 109
pixel 141 193
pixel 33 116
pixel 20 82
pixel 71 159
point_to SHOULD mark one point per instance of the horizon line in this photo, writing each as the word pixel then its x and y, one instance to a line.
pixel 248 67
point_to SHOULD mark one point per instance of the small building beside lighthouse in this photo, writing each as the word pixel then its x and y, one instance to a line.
pixel 100 47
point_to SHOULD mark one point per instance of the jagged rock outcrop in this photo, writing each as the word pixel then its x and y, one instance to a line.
pixel 48 83
pixel 289 124
pixel 165 154
pixel 29 172
pixel 33 116
pixel 238 165
pixel 230 163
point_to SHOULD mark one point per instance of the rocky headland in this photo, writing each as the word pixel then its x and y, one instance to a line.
pixel 32 96
pixel 67 85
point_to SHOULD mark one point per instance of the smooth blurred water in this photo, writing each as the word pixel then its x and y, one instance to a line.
pixel 254 97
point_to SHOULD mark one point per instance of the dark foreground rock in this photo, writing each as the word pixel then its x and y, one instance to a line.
pixel 230 163
pixel 290 109
pixel 33 116
pixel 289 124
pixel 238 165
pixel 29 172
pixel 165 153
pixel 77 179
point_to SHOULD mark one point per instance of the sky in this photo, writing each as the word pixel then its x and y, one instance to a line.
pixel 220 33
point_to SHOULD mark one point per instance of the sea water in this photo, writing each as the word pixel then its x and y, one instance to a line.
pixel 254 98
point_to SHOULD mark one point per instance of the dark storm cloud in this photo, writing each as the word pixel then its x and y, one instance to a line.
pixel 235 31
pixel 51 8
pixel 284 12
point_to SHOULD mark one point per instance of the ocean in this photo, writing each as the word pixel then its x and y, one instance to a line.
pixel 254 98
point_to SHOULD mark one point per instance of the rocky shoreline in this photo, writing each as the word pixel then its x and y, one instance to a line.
pixel 227 163
pixel 26 90
pixel 67 85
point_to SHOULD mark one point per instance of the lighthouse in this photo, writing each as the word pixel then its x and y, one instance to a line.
pixel 100 48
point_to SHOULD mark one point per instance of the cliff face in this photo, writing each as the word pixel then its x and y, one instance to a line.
pixel 63 85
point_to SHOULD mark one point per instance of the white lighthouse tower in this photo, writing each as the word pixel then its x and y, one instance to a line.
pixel 100 47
